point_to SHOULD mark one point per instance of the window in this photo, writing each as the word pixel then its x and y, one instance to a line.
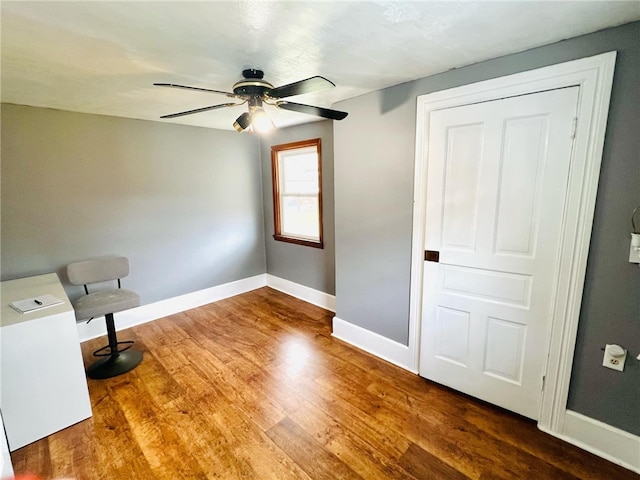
pixel 297 192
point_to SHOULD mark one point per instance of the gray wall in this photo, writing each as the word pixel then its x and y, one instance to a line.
pixel 374 157
pixel 308 266
pixel 183 203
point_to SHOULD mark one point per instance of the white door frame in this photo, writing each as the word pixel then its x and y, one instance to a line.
pixel 594 76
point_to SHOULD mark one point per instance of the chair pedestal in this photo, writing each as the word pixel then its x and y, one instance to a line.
pixel 117 361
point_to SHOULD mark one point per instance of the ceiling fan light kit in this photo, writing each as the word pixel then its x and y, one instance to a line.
pixel 255 91
pixel 260 121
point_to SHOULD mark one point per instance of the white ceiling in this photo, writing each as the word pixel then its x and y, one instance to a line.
pixel 103 57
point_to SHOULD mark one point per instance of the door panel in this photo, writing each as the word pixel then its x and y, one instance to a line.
pixel 496 187
pixel 487 285
pixel 464 154
pixel 519 185
pixel 504 354
pixel 453 335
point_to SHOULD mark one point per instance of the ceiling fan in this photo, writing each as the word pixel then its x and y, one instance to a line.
pixel 255 91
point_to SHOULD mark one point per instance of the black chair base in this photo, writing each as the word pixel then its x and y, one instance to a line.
pixel 114 365
pixel 118 360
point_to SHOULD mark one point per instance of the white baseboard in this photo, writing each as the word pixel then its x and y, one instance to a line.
pixel 153 311
pixel 373 343
pixel 610 443
pixel 309 295
pixel 170 306
pixel 603 440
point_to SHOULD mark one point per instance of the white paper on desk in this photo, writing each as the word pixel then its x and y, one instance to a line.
pixel 30 304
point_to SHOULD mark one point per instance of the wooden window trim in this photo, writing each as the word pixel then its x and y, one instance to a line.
pixel 275 183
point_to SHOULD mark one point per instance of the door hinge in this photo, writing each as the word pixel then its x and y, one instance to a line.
pixel 544 377
pixel 574 127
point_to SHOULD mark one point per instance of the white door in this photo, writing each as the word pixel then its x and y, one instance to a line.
pixel 497 180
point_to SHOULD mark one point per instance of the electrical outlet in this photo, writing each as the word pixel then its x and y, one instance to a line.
pixel 614 357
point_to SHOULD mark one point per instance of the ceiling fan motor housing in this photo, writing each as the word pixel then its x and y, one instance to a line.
pixel 252 85
pixel 252 88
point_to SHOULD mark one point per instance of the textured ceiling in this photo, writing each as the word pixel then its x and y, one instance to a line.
pixel 103 57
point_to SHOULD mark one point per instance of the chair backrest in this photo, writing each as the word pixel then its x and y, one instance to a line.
pixel 98 270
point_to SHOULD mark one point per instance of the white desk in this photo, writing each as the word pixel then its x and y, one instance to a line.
pixel 44 388
pixel 6 468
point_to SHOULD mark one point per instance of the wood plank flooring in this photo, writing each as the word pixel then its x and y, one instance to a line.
pixel 255 387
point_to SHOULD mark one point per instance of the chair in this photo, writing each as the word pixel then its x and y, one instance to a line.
pixel 106 302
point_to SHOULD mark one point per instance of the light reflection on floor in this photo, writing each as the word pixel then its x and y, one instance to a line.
pixel 296 355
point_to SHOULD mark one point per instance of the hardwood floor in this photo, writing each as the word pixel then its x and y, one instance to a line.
pixel 254 386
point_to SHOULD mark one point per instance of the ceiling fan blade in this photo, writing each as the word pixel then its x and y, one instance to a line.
pixel 311 110
pixel 186 87
pixel 198 110
pixel 309 85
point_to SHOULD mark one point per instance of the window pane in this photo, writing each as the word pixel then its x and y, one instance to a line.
pixel 299 172
pixel 300 217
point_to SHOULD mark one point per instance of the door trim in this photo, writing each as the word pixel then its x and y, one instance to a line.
pixel 594 76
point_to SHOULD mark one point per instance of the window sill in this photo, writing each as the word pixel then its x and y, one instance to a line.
pixel 299 241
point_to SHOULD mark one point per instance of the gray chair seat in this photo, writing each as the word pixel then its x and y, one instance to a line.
pixel 98 304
